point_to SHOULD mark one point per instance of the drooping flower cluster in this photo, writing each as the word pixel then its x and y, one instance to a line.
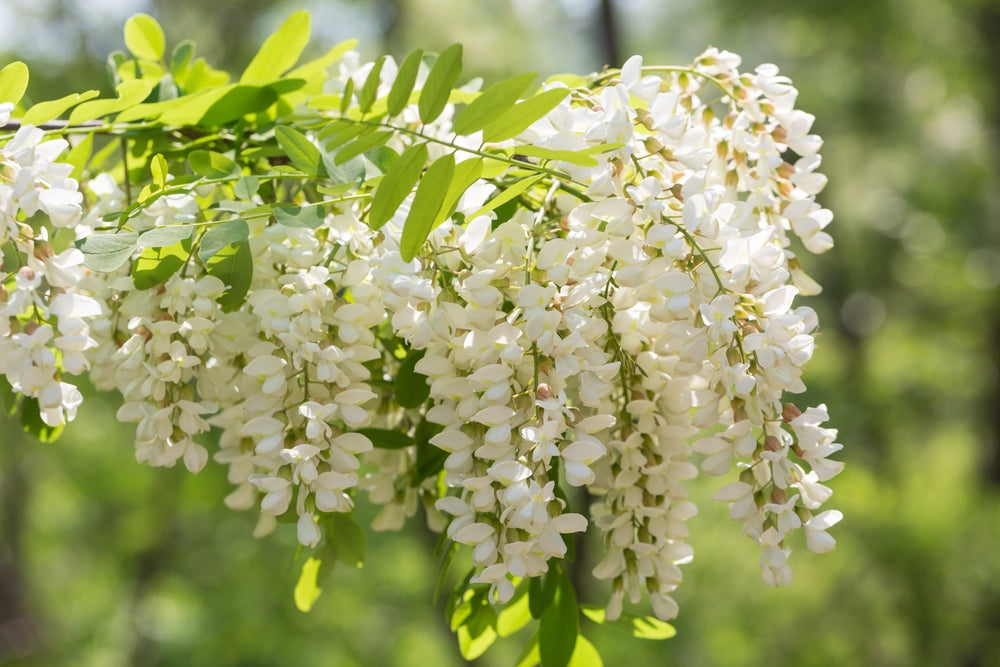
pixel 610 306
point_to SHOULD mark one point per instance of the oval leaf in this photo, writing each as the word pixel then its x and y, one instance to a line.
pixel 291 215
pixel 13 82
pixel 228 233
pixel 396 185
pixel 43 112
pixel 369 91
pixel 212 165
pixel 307 590
pixel 106 252
pixel 559 627
pixel 492 103
pixel 233 265
pixel 426 203
pixel 406 77
pixel 144 37
pixel 154 266
pixel 280 51
pixel 524 113
pixel 302 152
pixel 362 144
pixel 159 237
pixel 129 92
pixel 440 81
pixel 411 388
pixel 511 193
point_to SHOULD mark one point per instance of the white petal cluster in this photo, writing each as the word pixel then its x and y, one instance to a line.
pixel 627 322
pixel 44 319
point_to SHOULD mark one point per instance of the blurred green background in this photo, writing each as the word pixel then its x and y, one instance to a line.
pixel 105 562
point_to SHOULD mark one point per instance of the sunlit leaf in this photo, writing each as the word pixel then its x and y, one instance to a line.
pixel 233 265
pixel 369 91
pixel 43 112
pixel 495 101
pixel 440 80
pixel 280 51
pixel 144 37
pixel 362 144
pixel 509 194
pixel 302 152
pixel 397 184
pixel 155 265
pixel 307 590
pixel 524 113
pixel 159 237
pixel 212 165
pixel 406 77
pixel 585 654
pixel 573 157
pixel 129 93
pixel 514 617
pixel 13 82
pixel 427 202
pixel 641 627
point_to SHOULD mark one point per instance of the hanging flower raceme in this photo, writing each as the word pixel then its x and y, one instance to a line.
pixel 526 311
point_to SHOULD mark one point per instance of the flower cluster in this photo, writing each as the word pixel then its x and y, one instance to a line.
pixel 44 319
pixel 609 309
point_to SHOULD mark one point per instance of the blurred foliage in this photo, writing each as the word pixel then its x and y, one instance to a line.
pixel 105 562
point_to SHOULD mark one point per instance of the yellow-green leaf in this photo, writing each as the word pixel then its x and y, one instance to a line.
pixel 397 183
pixel 441 79
pixel 43 112
pixel 507 195
pixel 280 51
pixel 130 93
pixel 492 103
pixel 406 77
pixel 144 37
pixel 585 654
pixel 573 157
pixel 524 113
pixel 302 152
pixel 212 165
pixel 369 91
pixel 307 589
pixel 426 203
pixel 13 82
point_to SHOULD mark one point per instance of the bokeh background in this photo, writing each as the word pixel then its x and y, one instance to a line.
pixel 104 562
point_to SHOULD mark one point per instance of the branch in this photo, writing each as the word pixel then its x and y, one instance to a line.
pixel 17 124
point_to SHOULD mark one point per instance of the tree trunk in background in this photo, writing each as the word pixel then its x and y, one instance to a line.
pixel 606 27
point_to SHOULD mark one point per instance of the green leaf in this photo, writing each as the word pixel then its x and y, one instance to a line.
pixel 397 184
pixel 212 165
pixel 585 654
pixel 511 193
pixel 529 655
pixel 426 203
pixel 349 539
pixel 430 457
pixel 514 617
pixel 290 215
pixel 158 168
pixel 280 51
pixel 9 401
pixel 79 155
pixel 235 103
pixel 411 389
pixel 106 252
pixel 154 266
pixel 541 592
pixel 440 81
pixel 641 627
pixel 524 113
pixel 559 627
pixel 472 647
pixel 386 438
pixel 302 152
pixel 406 77
pixel 493 103
pixel 307 590
pixel 129 93
pixel 43 112
pixel 31 421
pixel 362 144
pixel 369 91
pixel 227 233
pixel 233 265
pixel 180 58
pixel 314 71
pixel 467 172
pixel 13 82
pixel 345 100
pixel 246 187
pixel 144 37
pixel 159 237
pixel 573 157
